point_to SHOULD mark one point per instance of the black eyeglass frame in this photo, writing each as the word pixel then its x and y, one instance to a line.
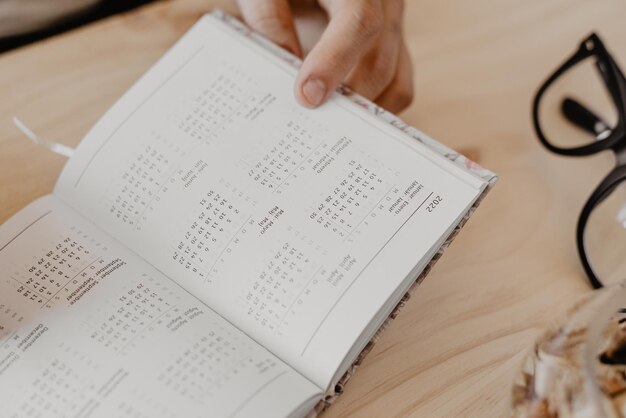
pixel 615 83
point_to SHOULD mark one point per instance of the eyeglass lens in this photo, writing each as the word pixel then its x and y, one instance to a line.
pixel 580 94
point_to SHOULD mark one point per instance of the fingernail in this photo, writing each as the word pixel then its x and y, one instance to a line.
pixel 314 92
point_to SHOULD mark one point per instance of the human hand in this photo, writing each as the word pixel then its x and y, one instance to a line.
pixel 362 46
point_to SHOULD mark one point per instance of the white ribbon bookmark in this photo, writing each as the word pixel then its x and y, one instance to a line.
pixel 51 146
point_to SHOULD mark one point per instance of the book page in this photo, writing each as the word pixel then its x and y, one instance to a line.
pixel 89 329
pixel 296 225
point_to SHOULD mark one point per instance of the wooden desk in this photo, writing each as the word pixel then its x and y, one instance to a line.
pixel 458 343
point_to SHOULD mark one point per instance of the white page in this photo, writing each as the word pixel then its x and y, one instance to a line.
pixel 88 329
pixel 294 224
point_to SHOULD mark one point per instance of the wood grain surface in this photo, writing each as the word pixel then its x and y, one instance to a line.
pixel 455 348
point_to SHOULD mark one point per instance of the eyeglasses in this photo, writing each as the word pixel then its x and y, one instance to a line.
pixel 592 73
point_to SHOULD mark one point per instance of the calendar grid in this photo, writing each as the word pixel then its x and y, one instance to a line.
pixel 305 287
pixel 299 165
pixel 339 226
pixel 356 227
pixel 228 243
pixel 196 265
pixel 235 366
pixel 146 327
pixel 174 170
pixel 67 282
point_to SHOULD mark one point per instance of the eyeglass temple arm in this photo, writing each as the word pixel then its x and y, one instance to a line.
pixel 583 118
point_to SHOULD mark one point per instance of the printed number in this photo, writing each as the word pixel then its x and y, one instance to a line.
pixel 433 204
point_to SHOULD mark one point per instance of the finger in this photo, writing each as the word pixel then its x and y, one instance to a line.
pixel 378 66
pixel 399 94
pixel 272 18
pixel 354 24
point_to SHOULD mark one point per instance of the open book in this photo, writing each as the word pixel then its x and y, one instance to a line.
pixel 214 249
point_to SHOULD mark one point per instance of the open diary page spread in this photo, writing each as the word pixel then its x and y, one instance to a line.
pixel 87 328
pixel 295 225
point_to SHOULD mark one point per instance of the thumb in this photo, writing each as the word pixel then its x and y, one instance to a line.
pixel 272 18
pixel 352 28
